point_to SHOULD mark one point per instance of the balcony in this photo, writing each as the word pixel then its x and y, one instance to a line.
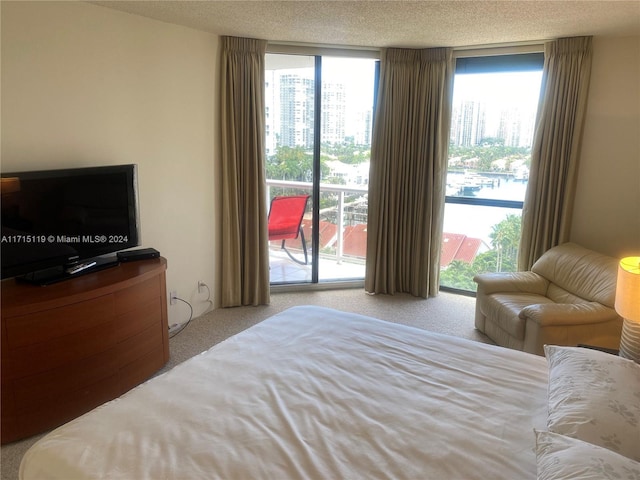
pixel 343 239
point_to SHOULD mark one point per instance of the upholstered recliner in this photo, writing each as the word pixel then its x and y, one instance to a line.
pixel 566 299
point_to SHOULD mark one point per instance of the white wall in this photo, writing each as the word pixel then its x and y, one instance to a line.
pixel 607 209
pixel 84 85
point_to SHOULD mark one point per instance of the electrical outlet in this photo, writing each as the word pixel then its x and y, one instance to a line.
pixel 172 297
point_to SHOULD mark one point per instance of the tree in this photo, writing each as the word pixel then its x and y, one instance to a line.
pixel 505 238
pixel 458 275
pixel 348 153
pixel 290 163
pixel 488 151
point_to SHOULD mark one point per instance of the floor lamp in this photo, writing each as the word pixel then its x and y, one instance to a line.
pixel 628 307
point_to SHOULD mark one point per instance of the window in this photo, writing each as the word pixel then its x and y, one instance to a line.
pixel 493 117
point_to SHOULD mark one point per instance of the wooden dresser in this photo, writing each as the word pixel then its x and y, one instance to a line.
pixel 73 345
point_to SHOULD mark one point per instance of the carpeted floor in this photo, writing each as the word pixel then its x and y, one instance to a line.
pixel 447 313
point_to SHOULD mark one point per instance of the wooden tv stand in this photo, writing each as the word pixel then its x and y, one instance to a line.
pixel 71 346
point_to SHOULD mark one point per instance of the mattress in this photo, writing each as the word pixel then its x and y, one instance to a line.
pixel 315 393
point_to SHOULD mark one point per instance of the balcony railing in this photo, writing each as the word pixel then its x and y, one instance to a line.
pixel 469 225
pixel 338 210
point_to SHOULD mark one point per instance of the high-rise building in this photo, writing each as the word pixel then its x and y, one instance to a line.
pixel 289 107
pixel 296 111
pixel 272 111
pixel 516 127
pixel 468 123
pixel 471 123
pixel 361 125
pixel 334 107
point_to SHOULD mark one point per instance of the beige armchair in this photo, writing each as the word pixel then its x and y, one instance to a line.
pixel 566 299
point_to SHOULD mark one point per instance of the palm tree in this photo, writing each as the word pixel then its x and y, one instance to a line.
pixel 505 238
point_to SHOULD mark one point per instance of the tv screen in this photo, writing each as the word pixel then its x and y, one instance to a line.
pixel 57 218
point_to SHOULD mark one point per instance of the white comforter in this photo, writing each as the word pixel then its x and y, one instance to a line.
pixel 319 394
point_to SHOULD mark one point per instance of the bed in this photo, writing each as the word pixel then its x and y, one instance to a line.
pixel 315 393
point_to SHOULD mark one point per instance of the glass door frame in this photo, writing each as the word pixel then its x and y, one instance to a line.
pixel 317 53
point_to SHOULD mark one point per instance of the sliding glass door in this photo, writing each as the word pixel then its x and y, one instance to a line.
pixel 345 151
pixel 319 112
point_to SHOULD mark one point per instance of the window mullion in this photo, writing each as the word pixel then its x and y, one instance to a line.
pixel 317 126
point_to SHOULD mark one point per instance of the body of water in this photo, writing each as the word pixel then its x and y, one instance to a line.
pixel 477 221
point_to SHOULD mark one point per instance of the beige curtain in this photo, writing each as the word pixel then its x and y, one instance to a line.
pixel 243 254
pixel 408 171
pixel 548 204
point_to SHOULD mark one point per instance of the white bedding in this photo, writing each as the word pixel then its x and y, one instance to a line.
pixel 319 394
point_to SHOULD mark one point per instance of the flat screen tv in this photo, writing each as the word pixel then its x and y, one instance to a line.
pixel 54 222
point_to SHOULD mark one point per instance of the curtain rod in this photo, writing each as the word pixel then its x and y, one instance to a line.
pixel 285 44
pixel 374 52
pixel 318 49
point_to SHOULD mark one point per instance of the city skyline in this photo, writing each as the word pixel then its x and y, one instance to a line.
pixel 501 105
pixel 347 103
pixel 495 105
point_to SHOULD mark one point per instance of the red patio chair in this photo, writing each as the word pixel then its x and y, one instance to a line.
pixel 285 219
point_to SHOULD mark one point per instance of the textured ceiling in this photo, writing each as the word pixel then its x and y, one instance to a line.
pixel 399 23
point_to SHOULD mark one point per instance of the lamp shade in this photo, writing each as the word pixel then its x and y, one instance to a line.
pixel 628 289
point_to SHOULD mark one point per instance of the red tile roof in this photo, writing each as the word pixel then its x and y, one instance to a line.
pixel 457 246
pixel 355 240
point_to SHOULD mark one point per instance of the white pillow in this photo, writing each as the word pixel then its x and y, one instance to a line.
pixel 559 457
pixel 595 397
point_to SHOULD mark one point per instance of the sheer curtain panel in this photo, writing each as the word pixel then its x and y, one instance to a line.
pixel 548 204
pixel 408 171
pixel 244 249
